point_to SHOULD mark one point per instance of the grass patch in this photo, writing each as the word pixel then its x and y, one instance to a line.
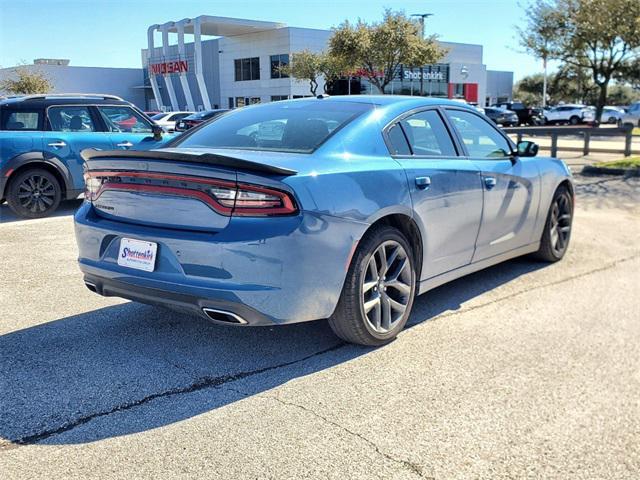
pixel 631 162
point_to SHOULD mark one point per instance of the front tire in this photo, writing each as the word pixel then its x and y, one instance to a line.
pixel 379 289
pixel 557 229
pixel 34 193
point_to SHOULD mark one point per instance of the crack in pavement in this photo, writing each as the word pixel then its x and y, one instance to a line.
pixel 201 384
pixel 413 467
pixel 216 382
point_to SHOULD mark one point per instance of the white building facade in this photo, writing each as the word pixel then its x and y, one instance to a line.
pixel 217 62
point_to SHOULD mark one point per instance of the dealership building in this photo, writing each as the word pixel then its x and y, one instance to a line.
pixel 217 62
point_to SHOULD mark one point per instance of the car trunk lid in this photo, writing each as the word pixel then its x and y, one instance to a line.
pixel 168 188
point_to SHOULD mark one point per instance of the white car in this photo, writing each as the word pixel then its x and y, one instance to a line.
pixel 611 115
pixel 572 114
pixel 168 120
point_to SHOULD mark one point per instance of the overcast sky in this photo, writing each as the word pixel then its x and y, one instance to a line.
pixel 110 33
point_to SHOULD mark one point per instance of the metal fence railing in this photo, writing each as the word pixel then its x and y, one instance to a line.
pixel 587 134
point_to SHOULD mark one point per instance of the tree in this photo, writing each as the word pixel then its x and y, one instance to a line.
pixel 538 36
pixel 631 74
pixel 598 36
pixel 377 50
pixel 25 81
pixel 310 66
pixel 305 65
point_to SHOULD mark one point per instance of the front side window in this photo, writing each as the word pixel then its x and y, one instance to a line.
pixel 247 69
pixel 21 120
pixel 480 138
pixel 124 119
pixel 427 134
pixel 70 119
pixel 278 62
pixel 279 126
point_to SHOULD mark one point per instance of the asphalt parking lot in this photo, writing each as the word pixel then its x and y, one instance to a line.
pixel 525 370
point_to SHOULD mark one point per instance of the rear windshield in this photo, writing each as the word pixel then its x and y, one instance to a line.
pixel 158 116
pixel 295 126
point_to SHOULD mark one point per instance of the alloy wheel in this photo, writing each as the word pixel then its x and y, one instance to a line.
pixel 386 287
pixel 560 223
pixel 36 193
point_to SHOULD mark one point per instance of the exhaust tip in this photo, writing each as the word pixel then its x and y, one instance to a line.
pixel 222 316
pixel 91 286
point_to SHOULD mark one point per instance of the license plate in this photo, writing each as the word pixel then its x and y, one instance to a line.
pixel 137 254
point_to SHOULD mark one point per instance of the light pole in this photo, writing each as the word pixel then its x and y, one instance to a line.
pixel 421 17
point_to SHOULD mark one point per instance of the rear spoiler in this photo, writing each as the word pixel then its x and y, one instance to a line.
pixel 191 157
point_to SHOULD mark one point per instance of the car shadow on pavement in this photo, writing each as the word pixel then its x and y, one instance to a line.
pixel 131 368
pixel 66 208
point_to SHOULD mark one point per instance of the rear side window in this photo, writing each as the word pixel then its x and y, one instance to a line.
pixel 300 126
pixel 480 137
pixel 398 141
pixel 427 134
pixel 70 119
pixel 21 120
pixel 124 119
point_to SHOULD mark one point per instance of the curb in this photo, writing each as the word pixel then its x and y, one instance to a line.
pixel 592 170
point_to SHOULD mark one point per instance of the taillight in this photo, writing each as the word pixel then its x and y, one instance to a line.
pixel 91 186
pixel 254 200
pixel 225 197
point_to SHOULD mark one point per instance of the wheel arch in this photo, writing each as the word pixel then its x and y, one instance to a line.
pixel 33 160
pixel 409 228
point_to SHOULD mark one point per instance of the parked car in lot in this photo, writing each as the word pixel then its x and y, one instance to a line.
pixel 197 118
pixel 41 137
pixel 632 116
pixel 168 120
pixel 569 114
pixel 501 116
pixel 360 204
pixel 611 114
pixel 526 115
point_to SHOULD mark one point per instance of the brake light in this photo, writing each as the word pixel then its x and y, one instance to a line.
pixel 254 200
pixel 225 197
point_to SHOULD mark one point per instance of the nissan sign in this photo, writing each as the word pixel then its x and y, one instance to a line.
pixel 179 66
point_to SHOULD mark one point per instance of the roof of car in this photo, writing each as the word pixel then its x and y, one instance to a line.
pixel 390 99
pixel 45 100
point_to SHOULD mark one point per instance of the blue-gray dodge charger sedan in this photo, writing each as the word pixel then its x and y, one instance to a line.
pixel 343 208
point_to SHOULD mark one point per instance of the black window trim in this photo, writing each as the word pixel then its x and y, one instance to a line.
pixel 396 121
pixel 491 124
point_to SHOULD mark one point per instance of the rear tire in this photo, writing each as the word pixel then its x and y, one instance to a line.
pixel 34 193
pixel 557 230
pixel 379 289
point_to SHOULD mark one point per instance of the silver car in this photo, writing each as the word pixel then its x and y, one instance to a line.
pixel 632 116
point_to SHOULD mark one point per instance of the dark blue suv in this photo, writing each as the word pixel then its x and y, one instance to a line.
pixel 41 137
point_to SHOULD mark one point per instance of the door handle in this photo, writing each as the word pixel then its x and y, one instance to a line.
pixel 490 182
pixel 423 182
pixel 57 144
pixel 126 144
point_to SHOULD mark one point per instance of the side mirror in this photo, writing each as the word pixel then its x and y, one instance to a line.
pixel 157 132
pixel 527 149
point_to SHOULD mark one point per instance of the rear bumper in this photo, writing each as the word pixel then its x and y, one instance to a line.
pixel 266 271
